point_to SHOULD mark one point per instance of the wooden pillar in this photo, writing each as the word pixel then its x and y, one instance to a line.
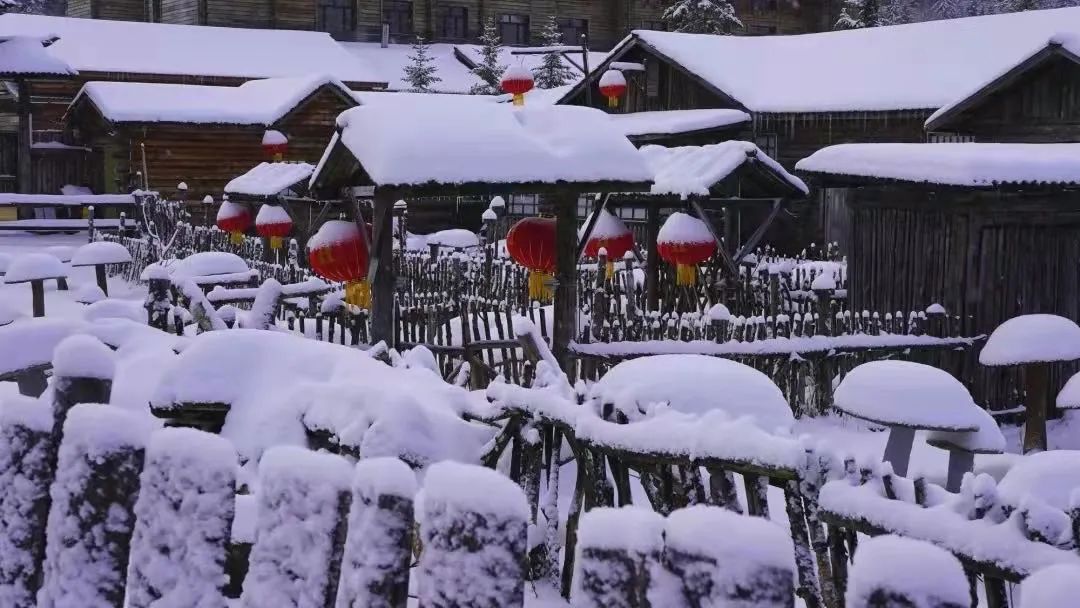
pixel 1036 384
pixel 381 271
pixel 652 258
pixel 566 305
pixel 24 169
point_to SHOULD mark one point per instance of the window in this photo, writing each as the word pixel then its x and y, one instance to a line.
pixel 514 29
pixel 398 15
pixel 454 23
pixel 336 17
pixel 767 143
pixel 949 138
pixel 524 204
pixel 572 30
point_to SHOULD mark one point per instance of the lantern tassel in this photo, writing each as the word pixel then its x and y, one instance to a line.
pixel 275 242
pixel 685 275
pixel 519 99
pixel 613 102
pixel 236 238
pixel 610 269
pixel 358 293
pixel 538 286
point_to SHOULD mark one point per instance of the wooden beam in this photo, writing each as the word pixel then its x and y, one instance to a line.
pixel 760 232
pixel 652 258
pixel 565 308
pixel 725 255
pixel 599 205
pixel 381 271
pixel 24 172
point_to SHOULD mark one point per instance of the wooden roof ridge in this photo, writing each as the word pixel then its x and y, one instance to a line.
pixel 1054 48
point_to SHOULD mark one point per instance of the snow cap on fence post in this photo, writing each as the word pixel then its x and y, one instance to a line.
pixel 303 507
pixel 184 516
pixel 1055 586
pixel 474 527
pixel 895 572
pixel 726 559
pixel 92 513
pixel 83 369
pixel 375 568
pixel 617 549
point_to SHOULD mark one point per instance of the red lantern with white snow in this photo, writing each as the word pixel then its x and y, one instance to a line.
pixel 613 86
pixel 611 235
pixel 275 144
pixel 531 243
pixel 235 219
pixel 338 252
pixel 685 241
pixel 517 80
pixel 273 222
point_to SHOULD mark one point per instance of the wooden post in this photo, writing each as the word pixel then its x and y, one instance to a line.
pixel 381 271
pixel 566 305
pixel 1036 385
pixel 615 568
pixel 24 168
pixel 32 382
pixel 652 258
pixel 37 291
pixel 157 303
pixel 808 588
pixel 102 278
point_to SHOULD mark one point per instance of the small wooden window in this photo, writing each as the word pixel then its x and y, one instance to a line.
pixel 514 29
pixel 336 17
pixel 398 15
pixel 573 29
pixel 454 23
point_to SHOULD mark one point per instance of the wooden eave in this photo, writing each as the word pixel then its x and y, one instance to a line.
pixel 834 180
pixel 348 99
pixel 646 138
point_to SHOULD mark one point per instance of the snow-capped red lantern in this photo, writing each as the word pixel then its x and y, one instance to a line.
pixel 610 234
pixel 275 144
pixel 517 80
pixel 613 86
pixel 337 252
pixel 531 243
pixel 685 241
pixel 235 219
pixel 273 222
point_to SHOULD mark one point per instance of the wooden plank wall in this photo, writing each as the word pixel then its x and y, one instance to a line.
pixel 300 14
pixel 239 13
pixel 800 135
pixel 183 12
pixel 120 10
pixel 79 8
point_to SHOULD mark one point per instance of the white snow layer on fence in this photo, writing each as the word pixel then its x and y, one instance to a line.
pixel 1033 339
pixel 269 179
pixel 1052 587
pixel 740 544
pixel 907 394
pixel 466 487
pixel 82 356
pixel 693 170
pixel 1051 477
pixel 631 528
pixel 928 575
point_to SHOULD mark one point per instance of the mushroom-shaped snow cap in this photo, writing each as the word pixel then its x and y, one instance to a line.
pixel 694 384
pixel 1051 477
pixel 913 395
pixel 1032 339
pixel 209 263
pixel 988 439
pixel 1069 397
pixel 1055 586
pixel 34 267
pixel 61 252
pixel 913 570
pixel 100 252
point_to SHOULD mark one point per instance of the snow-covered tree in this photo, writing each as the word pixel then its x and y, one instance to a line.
pixel 489 70
pixel 421 73
pixel 896 12
pixel 851 16
pixel 951 9
pixel 553 71
pixel 702 17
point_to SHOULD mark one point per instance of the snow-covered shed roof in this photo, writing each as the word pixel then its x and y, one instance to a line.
pixel 29 56
pixel 65 200
pixel 99 45
pixel 479 147
pixel 903 67
pixel 643 126
pixel 972 165
pixel 256 102
pixel 695 170
pixel 269 179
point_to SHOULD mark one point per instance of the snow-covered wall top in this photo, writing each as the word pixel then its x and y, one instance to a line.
pixel 97 45
pixel 914 66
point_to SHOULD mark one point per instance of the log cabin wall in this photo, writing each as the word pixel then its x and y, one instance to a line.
pixel 119 10
pixel 180 12
pixel 238 13
pixel 791 137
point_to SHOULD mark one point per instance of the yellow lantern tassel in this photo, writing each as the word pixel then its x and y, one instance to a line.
pixel 519 99
pixel 610 269
pixel 275 242
pixel 358 293
pixel 538 286
pixel 613 102
pixel 236 238
pixel 685 275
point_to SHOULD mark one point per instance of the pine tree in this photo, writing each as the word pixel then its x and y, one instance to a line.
pixel 489 71
pixel 851 16
pixel 951 9
pixel 702 17
pixel 420 74
pixel 871 12
pixel 896 12
pixel 553 71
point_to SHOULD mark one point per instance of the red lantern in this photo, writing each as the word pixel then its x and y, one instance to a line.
pixel 685 241
pixel 531 243
pixel 235 219
pixel 613 86
pixel 275 144
pixel 612 235
pixel 338 253
pixel 517 80
pixel 273 222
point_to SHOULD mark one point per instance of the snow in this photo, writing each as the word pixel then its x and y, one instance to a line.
pixel 671 122
pixel 82 356
pixel 612 78
pixel 1069 397
pixel 256 102
pixel 273 137
pixel 388 64
pixel 27 55
pixel 927 575
pixel 988 439
pixel 634 529
pixel 269 179
pixel 333 231
pixel 384 477
pixel 34 267
pixel 1032 339
pixel 418 144
pixel 116 309
pixel 681 227
pixel 690 170
pixel 457 238
pixel 719 312
pixel 693 384
pixel 1050 477
pixel 89 294
pixel 458 487
pixel 100 252
pixel 982 165
pixel 823 282
pixel 517 73
pixel 916 66
pixel 1051 587
pixel 5 261
pixel 608 226
pixel 61 252
pixel 125 47
pixel 907 394
pixel 208 263
pixel 27 412
pixel 269 215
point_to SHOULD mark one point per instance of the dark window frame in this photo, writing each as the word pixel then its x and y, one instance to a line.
pixel 572 28
pixel 453 22
pixel 398 14
pixel 331 13
pixel 514 29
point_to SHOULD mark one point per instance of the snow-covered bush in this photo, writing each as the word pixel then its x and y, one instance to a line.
pixel 184 517
pixel 617 549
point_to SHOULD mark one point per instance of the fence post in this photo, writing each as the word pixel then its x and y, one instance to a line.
pixel 616 550
pixel 887 574
pixel 83 369
pixel 375 568
pixel 157 300
pixel 474 523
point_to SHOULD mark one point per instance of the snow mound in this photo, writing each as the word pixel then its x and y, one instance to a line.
pixel 384 477
pixel 89 294
pixel 1052 587
pixel 474 488
pixel 61 252
pixel 1050 477
pixel 208 263
pixel 83 356
pixel 100 252
pixel 456 237
pixel 1069 397
pixel 927 574
pixel 111 308
pixel 907 394
pixel 988 439
pixel 26 411
pixel 34 266
pixel 8 314
pixel 102 429
pixel 5 261
pixel 737 541
pixel 635 529
pixel 1032 339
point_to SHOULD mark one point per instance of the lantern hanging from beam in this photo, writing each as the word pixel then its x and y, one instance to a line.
pixel 531 243
pixel 517 80
pixel 337 252
pixel 275 144
pixel 613 86
pixel 235 219
pixel 273 222
pixel 610 234
pixel 685 241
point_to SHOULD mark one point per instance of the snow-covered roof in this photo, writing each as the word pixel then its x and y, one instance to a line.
pixel 98 45
pixel 693 170
pixel 63 200
pixel 914 66
pixel 256 102
pixel 975 165
pixel 904 393
pixel 269 179
pixel 389 64
pixel 1032 339
pixel 672 122
pixel 28 56
pixel 416 144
